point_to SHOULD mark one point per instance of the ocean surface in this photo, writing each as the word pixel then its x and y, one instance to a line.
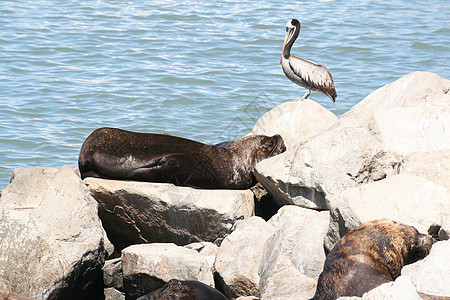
pixel 204 70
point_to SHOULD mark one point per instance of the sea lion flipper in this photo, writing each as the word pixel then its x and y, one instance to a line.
pixel 160 169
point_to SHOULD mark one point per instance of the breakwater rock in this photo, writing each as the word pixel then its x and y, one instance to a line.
pixel 388 157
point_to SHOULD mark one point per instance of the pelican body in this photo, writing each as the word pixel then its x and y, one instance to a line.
pixel 303 72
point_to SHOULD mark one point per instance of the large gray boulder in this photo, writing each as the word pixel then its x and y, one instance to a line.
pixel 113 274
pixel 406 198
pixel 147 267
pixel 406 130
pixel 413 90
pixel 432 165
pixel 401 119
pixel 239 257
pixel 52 241
pixel 295 121
pixel 293 256
pixel 345 156
pixel 142 212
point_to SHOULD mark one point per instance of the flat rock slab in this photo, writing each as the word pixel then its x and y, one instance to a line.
pixel 142 212
pixel 52 240
pixel 147 267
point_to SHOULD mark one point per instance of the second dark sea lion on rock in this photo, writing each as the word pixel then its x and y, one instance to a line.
pixel 368 256
pixel 119 154
pixel 184 290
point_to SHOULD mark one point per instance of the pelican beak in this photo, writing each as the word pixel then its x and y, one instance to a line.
pixel 284 45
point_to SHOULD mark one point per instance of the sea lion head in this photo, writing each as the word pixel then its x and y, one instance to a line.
pixel 259 147
pixel 368 256
pixel 393 243
pixel 418 245
pixel 273 145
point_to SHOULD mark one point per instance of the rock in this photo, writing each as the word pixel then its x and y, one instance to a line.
pixel 293 256
pixel 141 212
pixel 13 296
pixel 113 274
pixel 343 157
pixel 431 275
pixel 295 121
pixel 444 231
pixel 415 89
pixel 406 130
pixel 265 206
pixel 239 257
pixel 401 288
pixel 147 267
pixel 52 239
pixel 207 249
pixel 406 198
pixel 113 294
pixel 287 284
pixel 432 165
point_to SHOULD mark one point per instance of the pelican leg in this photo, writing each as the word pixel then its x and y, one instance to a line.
pixel 306 95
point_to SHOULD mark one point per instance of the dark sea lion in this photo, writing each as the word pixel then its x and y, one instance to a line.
pixel 119 154
pixel 368 256
pixel 184 290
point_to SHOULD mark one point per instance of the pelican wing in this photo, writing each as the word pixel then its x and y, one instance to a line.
pixel 314 75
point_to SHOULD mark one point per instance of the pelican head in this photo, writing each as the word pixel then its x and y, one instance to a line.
pixel 292 31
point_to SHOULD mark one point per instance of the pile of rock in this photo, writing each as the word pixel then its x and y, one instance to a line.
pixel 388 157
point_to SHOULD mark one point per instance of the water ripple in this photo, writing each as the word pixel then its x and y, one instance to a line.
pixel 199 69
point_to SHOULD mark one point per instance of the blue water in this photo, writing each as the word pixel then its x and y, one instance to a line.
pixel 205 70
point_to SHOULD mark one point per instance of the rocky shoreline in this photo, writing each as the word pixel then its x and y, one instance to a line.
pixel 388 157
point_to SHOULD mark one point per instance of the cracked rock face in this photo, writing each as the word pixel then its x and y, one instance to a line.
pixel 52 241
pixel 144 212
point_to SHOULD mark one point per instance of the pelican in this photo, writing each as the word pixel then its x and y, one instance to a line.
pixel 303 72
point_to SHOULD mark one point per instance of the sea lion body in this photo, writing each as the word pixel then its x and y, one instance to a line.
pixel 120 154
pixel 368 256
pixel 184 290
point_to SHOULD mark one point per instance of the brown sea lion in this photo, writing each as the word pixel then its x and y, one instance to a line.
pixel 368 256
pixel 184 290
pixel 119 154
